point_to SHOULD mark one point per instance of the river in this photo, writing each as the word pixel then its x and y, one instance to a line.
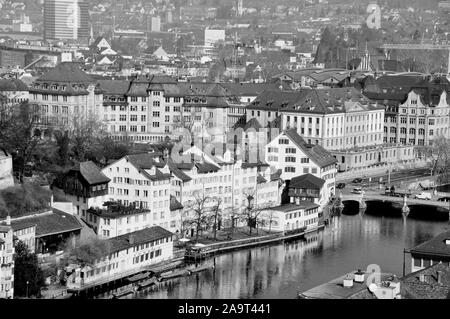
pixel 352 240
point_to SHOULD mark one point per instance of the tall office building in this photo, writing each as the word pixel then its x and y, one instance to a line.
pixel 66 19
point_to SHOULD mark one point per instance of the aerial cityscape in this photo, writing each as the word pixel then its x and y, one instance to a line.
pixel 224 149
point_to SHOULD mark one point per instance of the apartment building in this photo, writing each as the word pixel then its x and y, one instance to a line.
pixel 6 169
pixel 6 262
pixel 223 179
pixel 291 154
pixel 85 186
pixel 431 252
pixel 13 91
pixel 128 253
pixel 422 117
pixel 140 180
pixel 65 96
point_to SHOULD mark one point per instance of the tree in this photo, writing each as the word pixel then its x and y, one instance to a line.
pixel 28 277
pixel 439 152
pixel 18 135
pixel 216 215
pixel 82 135
pixel 86 252
pixel 250 213
pixel 199 214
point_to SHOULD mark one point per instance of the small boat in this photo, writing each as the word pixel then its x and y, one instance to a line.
pixel 201 268
pixel 140 276
pixel 148 282
pixel 174 274
pixel 124 293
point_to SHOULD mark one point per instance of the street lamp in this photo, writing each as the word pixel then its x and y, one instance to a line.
pixel 27 287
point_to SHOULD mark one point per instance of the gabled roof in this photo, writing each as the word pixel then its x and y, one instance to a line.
pixel 178 172
pixel 139 237
pixel 145 162
pixel 307 181
pixel 206 167
pixel 114 87
pixel 434 246
pixel 66 72
pixel 91 173
pixel 276 100
pixel 54 222
pixel 316 153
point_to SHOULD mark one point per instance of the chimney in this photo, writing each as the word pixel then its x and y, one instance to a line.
pixel 359 276
pixel 131 239
pixel 422 278
pixel 348 281
pixel 8 220
pixel 439 277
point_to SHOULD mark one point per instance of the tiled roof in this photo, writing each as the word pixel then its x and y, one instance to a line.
pixel 178 172
pixel 91 173
pixel 276 100
pixel 316 153
pixel 114 87
pixel 66 72
pixel 330 100
pixel 206 167
pixel 140 237
pixel 249 89
pixel 55 222
pixel 412 288
pixel 434 246
pixel 307 181
pixel 145 162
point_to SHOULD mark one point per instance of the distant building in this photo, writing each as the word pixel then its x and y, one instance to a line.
pixel 66 20
pixel 127 254
pixel 65 96
pixel 214 36
pixel 13 92
pixel 155 24
pixel 6 170
pixel 6 262
pixel 308 187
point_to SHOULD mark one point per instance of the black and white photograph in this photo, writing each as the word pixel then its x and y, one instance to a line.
pixel 216 156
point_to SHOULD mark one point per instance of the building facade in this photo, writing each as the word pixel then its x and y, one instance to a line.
pixel 6 262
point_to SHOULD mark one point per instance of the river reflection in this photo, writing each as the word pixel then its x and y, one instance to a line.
pixel 351 241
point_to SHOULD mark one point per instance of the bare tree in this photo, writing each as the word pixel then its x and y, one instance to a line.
pixel 82 135
pixel 199 217
pixel 439 152
pixel 216 214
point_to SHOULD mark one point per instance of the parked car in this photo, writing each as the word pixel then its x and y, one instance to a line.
pixel 444 199
pixel 357 181
pixel 423 195
pixel 340 185
pixel 357 190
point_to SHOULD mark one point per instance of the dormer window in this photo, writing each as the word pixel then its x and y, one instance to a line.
pixel 63 88
pixel 54 87
pixel 45 86
pixel 413 102
pixel 447 241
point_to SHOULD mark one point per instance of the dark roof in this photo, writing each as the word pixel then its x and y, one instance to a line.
pixel 178 172
pixel 145 162
pixel 307 181
pixel 140 237
pixel 291 207
pixel 252 123
pixel 412 288
pixel 206 167
pixel 434 246
pixel 175 204
pixel 276 100
pixel 91 173
pixel 49 223
pixel 12 85
pixel 114 87
pixel 316 153
pixel 66 72
pixel 249 89
pixel 276 176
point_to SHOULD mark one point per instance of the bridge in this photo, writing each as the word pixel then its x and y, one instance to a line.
pixel 362 198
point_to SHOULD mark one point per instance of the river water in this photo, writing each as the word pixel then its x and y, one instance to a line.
pixel 352 240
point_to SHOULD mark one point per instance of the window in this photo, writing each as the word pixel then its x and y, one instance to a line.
pixel 143 118
pixel 156 103
pixel 122 117
pixel 167 118
pixel 304 160
pixel 155 124
pixel 134 99
pixel 133 118
pixel 156 93
pixel 289 169
pixel 290 159
pixel 290 150
pixel 283 141
pixel 155 114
